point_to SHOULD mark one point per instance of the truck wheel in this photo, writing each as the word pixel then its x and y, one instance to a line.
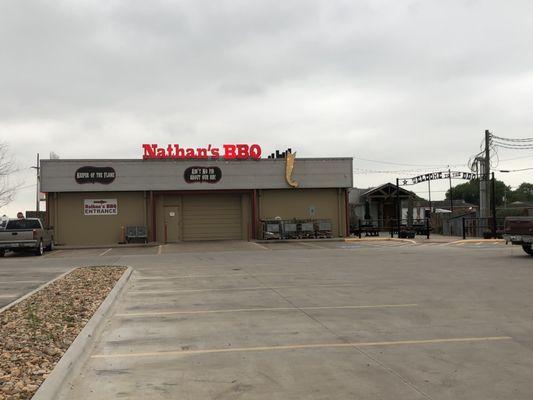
pixel 40 249
pixel 2 252
pixel 527 248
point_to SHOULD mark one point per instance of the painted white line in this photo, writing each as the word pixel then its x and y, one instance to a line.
pixel 53 253
pixel 238 310
pixel 104 252
pixel 177 353
pixel 7 282
pixel 238 288
pixel 311 245
pixel 159 249
pixel 8 296
pixel 228 275
pixel 261 246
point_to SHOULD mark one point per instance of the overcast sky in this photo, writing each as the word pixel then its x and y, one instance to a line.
pixel 405 82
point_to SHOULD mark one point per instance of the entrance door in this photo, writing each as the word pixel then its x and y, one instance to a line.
pixel 172 224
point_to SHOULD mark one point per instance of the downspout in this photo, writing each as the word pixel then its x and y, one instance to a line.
pixel 254 214
pixel 346 211
pixel 152 206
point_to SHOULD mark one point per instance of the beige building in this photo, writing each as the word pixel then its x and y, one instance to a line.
pixel 92 202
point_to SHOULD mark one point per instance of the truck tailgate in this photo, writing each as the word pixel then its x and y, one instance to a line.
pixel 519 225
pixel 16 235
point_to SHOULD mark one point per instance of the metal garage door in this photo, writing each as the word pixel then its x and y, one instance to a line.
pixel 212 217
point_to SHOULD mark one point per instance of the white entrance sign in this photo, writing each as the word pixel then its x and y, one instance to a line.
pixel 100 207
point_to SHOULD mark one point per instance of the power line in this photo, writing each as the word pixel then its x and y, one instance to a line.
pixel 512 139
pixel 515 170
pixel 409 165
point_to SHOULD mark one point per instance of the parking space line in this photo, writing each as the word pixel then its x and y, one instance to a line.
pixel 6 282
pixel 8 296
pixel 104 252
pixel 55 252
pixel 238 310
pixel 150 292
pixel 159 249
pixel 261 246
pixel 312 245
pixel 177 353
pixel 229 275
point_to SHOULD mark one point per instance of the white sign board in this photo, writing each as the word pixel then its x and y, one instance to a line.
pixel 100 207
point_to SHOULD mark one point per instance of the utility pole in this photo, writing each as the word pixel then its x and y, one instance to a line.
pixel 429 196
pixel 484 191
pixel 493 202
pixel 38 186
pixel 487 168
pixel 451 190
pixel 398 207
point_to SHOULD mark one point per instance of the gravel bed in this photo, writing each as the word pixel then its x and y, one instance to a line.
pixel 35 333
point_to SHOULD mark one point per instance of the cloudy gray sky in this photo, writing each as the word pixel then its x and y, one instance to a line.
pixel 405 82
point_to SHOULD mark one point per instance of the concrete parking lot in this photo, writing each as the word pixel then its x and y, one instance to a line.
pixel 321 320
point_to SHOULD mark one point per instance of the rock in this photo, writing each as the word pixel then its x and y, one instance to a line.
pixel 28 353
pixel 51 351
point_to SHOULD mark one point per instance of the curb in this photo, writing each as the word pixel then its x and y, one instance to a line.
pixel 378 239
pixel 112 246
pixel 296 240
pixel 478 241
pixel 15 302
pixel 78 351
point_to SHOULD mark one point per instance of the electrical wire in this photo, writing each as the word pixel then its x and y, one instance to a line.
pixel 409 165
pixel 512 139
pixel 515 170
pixel 364 171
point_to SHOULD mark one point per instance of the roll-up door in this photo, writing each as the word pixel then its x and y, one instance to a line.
pixel 212 217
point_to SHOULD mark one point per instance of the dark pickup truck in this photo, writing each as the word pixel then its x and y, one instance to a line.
pixel 519 231
pixel 26 234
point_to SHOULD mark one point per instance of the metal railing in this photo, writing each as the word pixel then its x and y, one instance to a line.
pixel 486 228
pixel 392 227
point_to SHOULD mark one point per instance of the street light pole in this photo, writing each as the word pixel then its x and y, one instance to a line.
pixel 451 190
pixel 37 169
pixel 398 206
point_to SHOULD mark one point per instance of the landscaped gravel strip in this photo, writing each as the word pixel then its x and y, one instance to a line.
pixel 36 332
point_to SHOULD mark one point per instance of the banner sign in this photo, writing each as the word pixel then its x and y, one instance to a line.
pixel 437 175
pixel 104 175
pixel 202 174
pixel 100 207
pixel 227 152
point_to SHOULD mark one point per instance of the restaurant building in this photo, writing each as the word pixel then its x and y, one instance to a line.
pixel 178 197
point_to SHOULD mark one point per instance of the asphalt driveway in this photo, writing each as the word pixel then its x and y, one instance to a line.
pixel 327 322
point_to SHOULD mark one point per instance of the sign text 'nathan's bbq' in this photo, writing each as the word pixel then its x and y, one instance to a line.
pixel 226 152
pixel 202 174
pixel 100 207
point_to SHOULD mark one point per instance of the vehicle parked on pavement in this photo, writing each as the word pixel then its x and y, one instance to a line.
pixel 519 231
pixel 26 234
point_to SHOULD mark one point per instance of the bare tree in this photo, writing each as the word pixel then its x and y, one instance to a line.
pixel 7 168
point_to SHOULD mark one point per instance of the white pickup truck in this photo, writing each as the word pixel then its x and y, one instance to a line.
pixel 26 234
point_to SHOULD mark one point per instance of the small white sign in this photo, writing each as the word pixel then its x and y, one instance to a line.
pixel 100 207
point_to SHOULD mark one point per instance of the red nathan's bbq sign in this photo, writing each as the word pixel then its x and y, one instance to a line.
pixel 227 152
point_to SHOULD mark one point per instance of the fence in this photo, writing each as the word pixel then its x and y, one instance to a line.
pixel 478 227
pixel 374 227
pixel 465 226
